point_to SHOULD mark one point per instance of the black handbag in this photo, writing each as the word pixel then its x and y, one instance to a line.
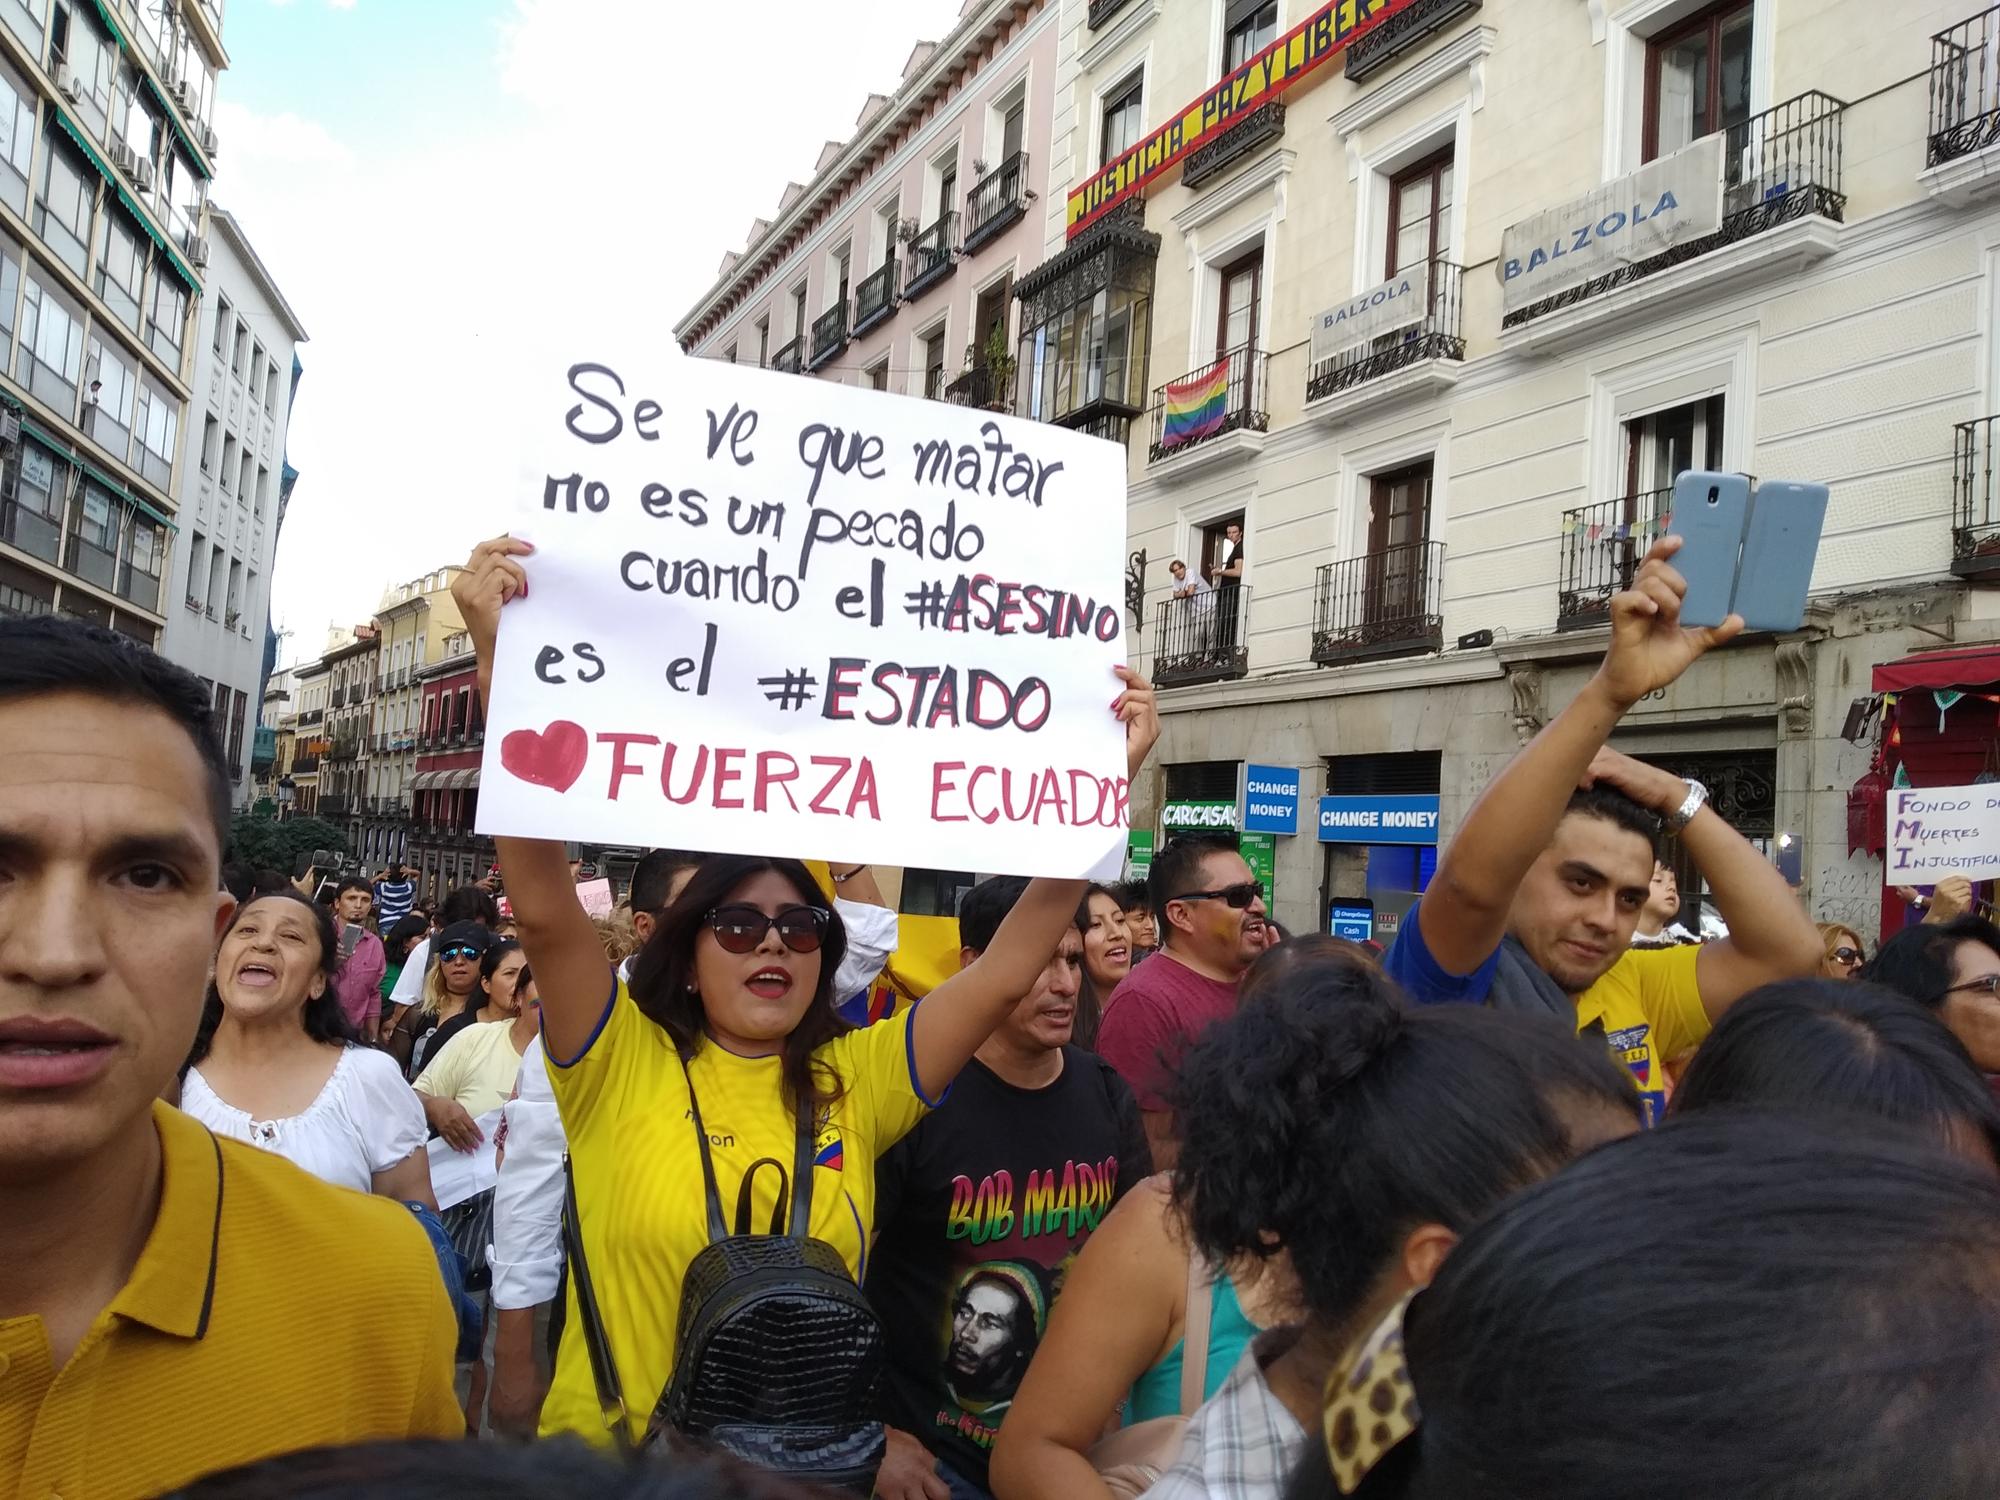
pixel 777 1353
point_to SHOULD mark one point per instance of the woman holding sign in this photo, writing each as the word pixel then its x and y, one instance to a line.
pixel 720 1059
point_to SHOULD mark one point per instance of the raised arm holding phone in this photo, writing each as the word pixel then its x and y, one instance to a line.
pixel 1535 900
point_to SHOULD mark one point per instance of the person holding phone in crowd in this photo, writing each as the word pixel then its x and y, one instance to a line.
pixel 730 1013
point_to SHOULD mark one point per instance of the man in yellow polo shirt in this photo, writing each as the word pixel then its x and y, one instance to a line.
pixel 170 1304
pixel 1535 901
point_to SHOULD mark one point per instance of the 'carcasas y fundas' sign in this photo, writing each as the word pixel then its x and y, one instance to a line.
pixel 1306 48
pixel 1396 304
pixel 1665 203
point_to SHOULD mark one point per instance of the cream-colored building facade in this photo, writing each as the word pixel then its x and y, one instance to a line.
pixel 415 620
pixel 1432 520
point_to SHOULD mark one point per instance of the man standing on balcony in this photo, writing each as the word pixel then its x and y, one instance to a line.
pixel 1194 630
pixel 1227 571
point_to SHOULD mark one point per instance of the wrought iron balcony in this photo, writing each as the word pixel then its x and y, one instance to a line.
pixel 1965 88
pixel 1203 638
pixel 1975 488
pixel 1226 396
pixel 1249 135
pixel 1602 546
pixel 789 357
pixel 982 386
pixel 1440 335
pixel 1103 10
pixel 1382 603
pixel 999 199
pixel 829 335
pixel 1777 167
pixel 932 255
pixel 1402 33
pixel 875 298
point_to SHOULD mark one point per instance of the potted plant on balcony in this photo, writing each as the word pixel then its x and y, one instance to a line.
pixel 998 363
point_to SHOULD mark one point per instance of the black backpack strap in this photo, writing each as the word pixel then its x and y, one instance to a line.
pixel 802 1176
pixel 743 1224
pixel 610 1392
pixel 718 1231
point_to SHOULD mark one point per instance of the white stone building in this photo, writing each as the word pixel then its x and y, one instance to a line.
pixel 219 585
pixel 1433 517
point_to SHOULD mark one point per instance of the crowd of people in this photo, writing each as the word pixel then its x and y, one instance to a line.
pixel 317 1188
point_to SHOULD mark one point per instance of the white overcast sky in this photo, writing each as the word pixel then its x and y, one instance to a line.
pixel 429 223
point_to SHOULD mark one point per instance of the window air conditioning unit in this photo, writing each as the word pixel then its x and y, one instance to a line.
pixel 66 83
pixel 10 428
pixel 208 138
pixel 142 174
pixel 197 250
pixel 183 95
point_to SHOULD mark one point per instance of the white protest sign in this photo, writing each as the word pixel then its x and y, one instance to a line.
pixel 1665 203
pixel 595 896
pixel 776 615
pixel 1935 831
pixel 1403 301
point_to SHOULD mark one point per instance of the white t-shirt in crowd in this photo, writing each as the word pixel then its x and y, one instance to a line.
pixel 366 1120
pixel 409 987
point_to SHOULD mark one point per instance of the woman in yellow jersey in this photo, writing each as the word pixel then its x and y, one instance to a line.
pixel 729 1009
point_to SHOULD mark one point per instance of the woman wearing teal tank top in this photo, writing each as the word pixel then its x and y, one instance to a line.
pixel 1115 1349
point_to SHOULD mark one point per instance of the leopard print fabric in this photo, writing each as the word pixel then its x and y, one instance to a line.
pixel 1370 1404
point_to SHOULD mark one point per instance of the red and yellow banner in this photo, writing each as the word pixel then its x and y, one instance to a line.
pixel 1322 36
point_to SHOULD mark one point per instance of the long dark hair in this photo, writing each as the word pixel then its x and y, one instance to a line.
pixel 1326 1119
pixel 1841 1046
pixel 489 965
pixel 1816 1298
pixel 662 977
pixel 1090 1004
pixel 324 1021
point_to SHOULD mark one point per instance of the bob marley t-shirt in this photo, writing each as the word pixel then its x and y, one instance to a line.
pixel 979 1212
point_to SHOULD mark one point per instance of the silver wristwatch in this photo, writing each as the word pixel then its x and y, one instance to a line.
pixel 1680 817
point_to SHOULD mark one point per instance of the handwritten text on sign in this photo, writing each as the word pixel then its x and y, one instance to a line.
pixel 1936 831
pixel 775 615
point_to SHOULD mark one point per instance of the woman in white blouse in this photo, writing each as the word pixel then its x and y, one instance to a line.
pixel 272 1063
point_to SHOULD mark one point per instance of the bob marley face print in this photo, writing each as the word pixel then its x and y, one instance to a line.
pixel 998 1313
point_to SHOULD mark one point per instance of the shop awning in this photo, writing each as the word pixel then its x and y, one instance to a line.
pixel 460 780
pixel 423 781
pixel 145 220
pixel 1959 667
pixel 180 131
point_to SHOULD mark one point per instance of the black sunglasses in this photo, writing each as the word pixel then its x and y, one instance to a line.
pixel 1848 956
pixel 740 928
pixel 1238 896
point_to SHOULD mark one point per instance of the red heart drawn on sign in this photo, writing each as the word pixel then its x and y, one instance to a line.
pixel 552 757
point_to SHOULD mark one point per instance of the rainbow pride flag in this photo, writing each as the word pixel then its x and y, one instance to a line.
pixel 1196 406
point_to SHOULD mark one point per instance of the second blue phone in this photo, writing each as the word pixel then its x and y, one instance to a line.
pixel 1710 514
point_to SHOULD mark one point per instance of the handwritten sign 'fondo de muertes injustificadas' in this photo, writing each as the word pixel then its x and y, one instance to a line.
pixel 1936 831
pixel 778 615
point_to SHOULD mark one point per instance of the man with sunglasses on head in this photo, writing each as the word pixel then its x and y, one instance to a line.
pixel 1211 918
pixel 1536 899
pixel 979 1210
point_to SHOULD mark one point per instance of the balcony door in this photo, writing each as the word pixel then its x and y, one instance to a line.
pixel 1248 27
pixel 1013 130
pixel 989 320
pixel 1399 526
pixel 1698 77
pixel 1420 214
pixel 1242 292
pixel 1663 445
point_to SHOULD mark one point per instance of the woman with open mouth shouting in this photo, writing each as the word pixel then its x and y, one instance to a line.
pixel 272 1063
pixel 1107 958
pixel 724 1050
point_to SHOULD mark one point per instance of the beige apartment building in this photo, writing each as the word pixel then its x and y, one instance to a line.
pixel 415 620
pixel 310 744
pixel 1443 464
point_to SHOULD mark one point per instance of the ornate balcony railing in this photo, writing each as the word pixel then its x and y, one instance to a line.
pixel 1203 638
pixel 1975 511
pixel 789 357
pixel 1602 546
pixel 932 255
pixel 875 298
pixel 1402 33
pixel 999 199
pixel 1258 128
pixel 1965 88
pixel 1778 166
pixel 1440 335
pixel 829 335
pixel 1226 396
pixel 981 386
pixel 1383 603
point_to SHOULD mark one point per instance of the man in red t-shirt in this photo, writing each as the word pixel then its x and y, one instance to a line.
pixel 1210 913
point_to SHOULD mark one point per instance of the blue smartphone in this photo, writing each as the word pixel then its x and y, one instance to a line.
pixel 1710 514
pixel 1780 545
